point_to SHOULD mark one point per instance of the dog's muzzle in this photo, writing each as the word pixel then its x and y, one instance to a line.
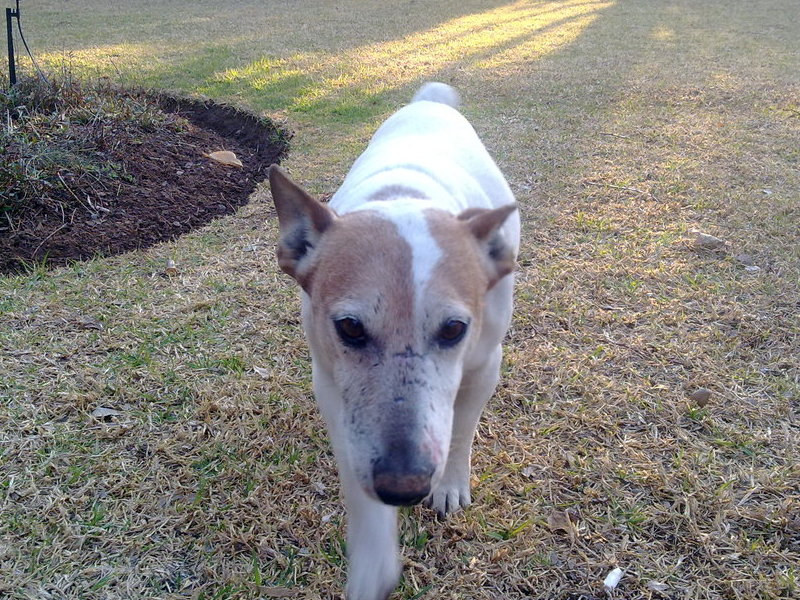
pixel 398 485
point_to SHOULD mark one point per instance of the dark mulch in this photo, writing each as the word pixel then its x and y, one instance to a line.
pixel 169 188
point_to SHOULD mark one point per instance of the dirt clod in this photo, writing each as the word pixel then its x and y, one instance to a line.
pixel 700 397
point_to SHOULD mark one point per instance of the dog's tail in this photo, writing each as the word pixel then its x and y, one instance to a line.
pixel 433 91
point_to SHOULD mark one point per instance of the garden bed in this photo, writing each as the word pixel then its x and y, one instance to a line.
pixel 97 170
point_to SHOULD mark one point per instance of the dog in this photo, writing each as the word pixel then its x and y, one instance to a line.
pixel 407 282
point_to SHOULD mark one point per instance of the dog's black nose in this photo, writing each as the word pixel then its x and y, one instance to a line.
pixel 405 490
pixel 401 488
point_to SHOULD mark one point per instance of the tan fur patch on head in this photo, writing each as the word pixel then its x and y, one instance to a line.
pixel 365 264
pixel 460 273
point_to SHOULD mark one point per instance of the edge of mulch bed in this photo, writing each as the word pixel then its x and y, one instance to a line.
pixel 172 188
pixel 256 132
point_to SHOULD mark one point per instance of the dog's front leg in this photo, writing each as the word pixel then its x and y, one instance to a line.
pixel 453 490
pixel 372 545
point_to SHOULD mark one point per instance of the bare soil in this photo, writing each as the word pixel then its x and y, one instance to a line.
pixel 169 187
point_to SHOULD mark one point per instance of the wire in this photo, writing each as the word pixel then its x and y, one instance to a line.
pixel 22 37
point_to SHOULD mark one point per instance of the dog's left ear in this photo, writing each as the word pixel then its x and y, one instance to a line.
pixel 485 225
pixel 302 221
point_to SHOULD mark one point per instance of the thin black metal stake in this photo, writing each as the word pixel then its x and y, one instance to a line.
pixel 12 67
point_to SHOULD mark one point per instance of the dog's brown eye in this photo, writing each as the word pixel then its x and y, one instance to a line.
pixel 452 332
pixel 351 331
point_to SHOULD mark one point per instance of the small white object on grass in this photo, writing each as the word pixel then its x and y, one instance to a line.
pixel 101 412
pixel 171 270
pixel 612 579
pixel 265 373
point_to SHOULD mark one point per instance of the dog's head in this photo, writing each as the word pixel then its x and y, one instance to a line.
pixel 396 302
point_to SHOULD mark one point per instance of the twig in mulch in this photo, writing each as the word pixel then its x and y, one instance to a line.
pixel 74 195
pixel 52 233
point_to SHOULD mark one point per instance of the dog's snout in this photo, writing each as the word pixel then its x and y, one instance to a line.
pixel 401 486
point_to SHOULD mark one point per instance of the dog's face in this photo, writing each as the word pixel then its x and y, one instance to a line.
pixel 396 297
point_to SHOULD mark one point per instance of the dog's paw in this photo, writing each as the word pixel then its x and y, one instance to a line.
pixel 372 579
pixel 448 498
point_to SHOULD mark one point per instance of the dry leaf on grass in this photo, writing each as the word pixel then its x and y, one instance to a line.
pixel 559 521
pixel 265 373
pixel 500 554
pixel 225 157
pixel 658 587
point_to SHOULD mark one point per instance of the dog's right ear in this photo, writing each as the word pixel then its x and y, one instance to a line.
pixel 302 221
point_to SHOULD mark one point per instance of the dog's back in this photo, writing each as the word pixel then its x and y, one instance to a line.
pixel 428 150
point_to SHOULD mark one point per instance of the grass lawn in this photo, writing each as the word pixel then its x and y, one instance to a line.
pixel 623 126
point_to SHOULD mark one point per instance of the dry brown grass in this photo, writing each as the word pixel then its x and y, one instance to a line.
pixel 622 127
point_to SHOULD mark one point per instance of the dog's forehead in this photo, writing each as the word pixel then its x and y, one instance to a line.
pixel 364 261
pixel 412 225
pixel 397 254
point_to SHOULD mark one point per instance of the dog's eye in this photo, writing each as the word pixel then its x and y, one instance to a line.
pixel 451 332
pixel 351 332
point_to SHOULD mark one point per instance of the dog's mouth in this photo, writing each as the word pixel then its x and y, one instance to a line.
pixel 395 501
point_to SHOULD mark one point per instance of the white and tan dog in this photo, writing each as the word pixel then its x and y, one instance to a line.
pixel 407 295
